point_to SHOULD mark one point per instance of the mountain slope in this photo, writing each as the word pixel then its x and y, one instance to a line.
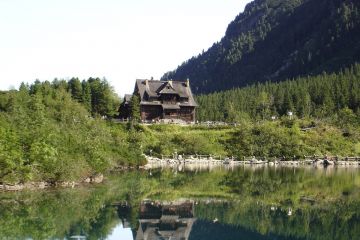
pixel 273 40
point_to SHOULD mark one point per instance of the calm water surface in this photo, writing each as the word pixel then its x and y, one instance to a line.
pixel 193 203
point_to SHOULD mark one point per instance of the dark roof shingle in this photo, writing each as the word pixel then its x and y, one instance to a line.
pixel 154 88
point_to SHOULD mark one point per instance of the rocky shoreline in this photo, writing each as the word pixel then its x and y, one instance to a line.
pixel 354 162
pixel 43 185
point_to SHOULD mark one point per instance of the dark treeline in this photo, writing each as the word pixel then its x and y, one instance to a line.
pixel 320 96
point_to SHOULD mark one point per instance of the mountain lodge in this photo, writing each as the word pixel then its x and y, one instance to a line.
pixel 162 100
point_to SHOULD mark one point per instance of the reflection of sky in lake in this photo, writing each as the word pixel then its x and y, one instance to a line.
pixel 120 233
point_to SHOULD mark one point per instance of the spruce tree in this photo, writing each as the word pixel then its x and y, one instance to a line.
pixel 134 110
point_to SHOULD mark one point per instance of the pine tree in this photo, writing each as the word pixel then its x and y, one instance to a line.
pixel 263 104
pixel 75 88
pixel 86 95
pixel 135 109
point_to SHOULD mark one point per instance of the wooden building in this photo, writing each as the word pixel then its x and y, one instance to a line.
pixel 168 100
pixel 165 221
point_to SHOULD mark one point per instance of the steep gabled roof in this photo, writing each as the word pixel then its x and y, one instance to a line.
pixel 153 89
pixel 167 88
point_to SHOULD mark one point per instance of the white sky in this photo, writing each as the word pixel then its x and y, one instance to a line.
pixel 120 233
pixel 117 39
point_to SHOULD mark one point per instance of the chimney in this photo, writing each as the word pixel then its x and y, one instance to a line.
pixel 187 82
pixel 146 82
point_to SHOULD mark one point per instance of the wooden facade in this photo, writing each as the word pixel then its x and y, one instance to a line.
pixel 168 100
pixel 160 220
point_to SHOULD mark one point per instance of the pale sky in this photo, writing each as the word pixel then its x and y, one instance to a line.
pixel 117 39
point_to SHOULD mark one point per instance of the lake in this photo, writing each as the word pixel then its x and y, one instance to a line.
pixel 193 203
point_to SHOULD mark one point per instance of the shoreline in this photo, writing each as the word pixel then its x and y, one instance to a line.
pixel 153 163
pixel 253 161
pixel 7 187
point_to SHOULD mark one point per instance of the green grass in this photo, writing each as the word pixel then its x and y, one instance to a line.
pixel 263 139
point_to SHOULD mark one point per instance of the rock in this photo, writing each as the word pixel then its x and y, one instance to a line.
pixel 29 185
pixel 97 178
pixel 42 185
pixel 67 184
pixel 64 184
pixel 16 187
pixel 318 162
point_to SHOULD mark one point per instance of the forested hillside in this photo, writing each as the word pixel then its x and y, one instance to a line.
pixel 322 96
pixel 50 132
pixel 274 40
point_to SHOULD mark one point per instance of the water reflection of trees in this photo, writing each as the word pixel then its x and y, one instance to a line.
pixel 55 215
pixel 337 221
pixel 325 204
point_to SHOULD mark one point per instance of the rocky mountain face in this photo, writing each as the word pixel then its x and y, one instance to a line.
pixel 274 40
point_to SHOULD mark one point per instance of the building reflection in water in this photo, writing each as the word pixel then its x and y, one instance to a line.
pixel 165 220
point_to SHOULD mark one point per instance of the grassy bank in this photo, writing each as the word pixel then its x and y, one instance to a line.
pixel 279 138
